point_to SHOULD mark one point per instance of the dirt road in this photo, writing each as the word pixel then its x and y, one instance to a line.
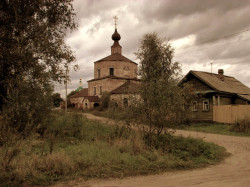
pixel 233 172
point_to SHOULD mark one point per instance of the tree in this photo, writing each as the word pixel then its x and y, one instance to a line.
pixel 163 103
pixel 32 56
pixel 56 97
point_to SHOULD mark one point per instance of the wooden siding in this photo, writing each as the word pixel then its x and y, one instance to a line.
pixel 230 113
pixel 198 85
pixel 201 115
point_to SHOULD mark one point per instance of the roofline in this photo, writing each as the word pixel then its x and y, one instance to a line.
pixel 114 61
pixel 243 97
pixel 113 77
pixel 101 60
pixel 192 72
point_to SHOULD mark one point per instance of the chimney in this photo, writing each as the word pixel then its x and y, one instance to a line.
pixel 221 74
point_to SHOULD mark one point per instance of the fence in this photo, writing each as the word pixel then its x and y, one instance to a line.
pixel 230 113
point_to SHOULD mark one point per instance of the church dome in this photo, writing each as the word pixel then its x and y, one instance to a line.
pixel 116 36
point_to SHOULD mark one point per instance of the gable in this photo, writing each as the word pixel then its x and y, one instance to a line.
pixel 198 85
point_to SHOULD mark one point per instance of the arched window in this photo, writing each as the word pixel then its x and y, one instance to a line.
pixel 125 102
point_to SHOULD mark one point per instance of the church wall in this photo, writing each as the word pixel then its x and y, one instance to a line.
pixel 121 69
pixel 107 85
pixel 119 98
pixel 77 101
pixel 87 105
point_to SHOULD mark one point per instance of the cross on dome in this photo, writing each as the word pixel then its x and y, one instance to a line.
pixel 115 18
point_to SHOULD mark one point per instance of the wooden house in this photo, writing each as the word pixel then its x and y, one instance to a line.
pixel 214 89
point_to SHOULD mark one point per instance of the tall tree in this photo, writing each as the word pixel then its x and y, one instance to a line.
pixel 32 55
pixel 163 102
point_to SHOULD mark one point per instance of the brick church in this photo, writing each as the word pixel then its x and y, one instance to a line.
pixel 114 74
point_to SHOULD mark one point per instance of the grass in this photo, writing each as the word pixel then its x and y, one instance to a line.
pixel 75 147
pixel 215 128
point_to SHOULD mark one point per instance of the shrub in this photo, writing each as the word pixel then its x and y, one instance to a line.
pixel 241 125
pixel 53 165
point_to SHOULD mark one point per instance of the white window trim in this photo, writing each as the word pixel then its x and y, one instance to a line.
pixel 204 108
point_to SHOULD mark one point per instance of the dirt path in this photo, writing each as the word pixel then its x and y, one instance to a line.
pixel 234 171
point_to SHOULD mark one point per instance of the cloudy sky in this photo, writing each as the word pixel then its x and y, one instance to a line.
pixel 201 31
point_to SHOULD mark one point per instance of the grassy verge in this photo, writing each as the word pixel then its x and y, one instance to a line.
pixel 215 128
pixel 75 147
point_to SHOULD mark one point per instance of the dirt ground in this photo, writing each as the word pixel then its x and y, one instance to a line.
pixel 233 172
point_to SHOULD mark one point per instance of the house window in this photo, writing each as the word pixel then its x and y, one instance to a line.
pixel 94 90
pixel 98 73
pixel 111 71
pixel 125 102
pixel 206 105
pixel 100 90
pixel 195 106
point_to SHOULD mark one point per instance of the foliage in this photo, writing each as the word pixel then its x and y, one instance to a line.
pixel 163 102
pixel 98 151
pixel 105 99
pixel 56 97
pixel 242 126
pixel 33 53
pixel 28 104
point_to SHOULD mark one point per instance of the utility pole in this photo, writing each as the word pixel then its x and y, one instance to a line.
pixel 66 87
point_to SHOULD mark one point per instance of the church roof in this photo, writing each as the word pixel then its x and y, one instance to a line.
pixel 93 98
pixel 114 77
pixel 115 57
pixel 128 87
pixel 116 36
pixel 81 93
pixel 79 88
pixel 228 85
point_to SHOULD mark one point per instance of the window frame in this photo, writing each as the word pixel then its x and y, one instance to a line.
pixel 195 106
pixel 100 90
pixel 112 70
pixel 125 102
pixel 205 107
pixel 98 73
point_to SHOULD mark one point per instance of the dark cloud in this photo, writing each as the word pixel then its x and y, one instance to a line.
pixel 217 27
pixel 208 19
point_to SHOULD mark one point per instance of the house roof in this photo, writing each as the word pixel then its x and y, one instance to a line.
pixel 228 85
pixel 81 93
pixel 115 57
pixel 92 98
pixel 128 87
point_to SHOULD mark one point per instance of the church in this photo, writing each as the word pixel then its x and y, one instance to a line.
pixel 114 74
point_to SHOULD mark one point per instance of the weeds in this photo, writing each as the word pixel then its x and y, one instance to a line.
pixel 241 126
pixel 236 129
pixel 72 146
